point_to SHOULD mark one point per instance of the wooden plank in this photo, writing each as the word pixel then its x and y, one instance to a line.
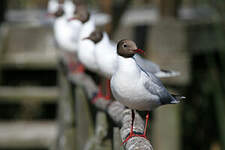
pixel 168 8
pixel 84 120
pixel 31 93
pixel 170 54
pixel 25 134
pixel 32 61
pixel 117 139
pixel 66 110
pixel 101 132
pixel 66 138
pixel 172 49
pixel 99 140
pixel 166 128
pixel 3 33
pixel 34 50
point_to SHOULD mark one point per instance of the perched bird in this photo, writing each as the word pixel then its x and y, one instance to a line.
pixel 88 41
pixel 52 7
pixel 136 88
pixel 106 56
pixel 85 47
pixel 106 59
pixel 86 51
pixel 86 55
pixel 66 34
pixel 82 16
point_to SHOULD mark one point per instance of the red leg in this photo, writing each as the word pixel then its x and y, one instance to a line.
pixel 79 68
pixel 146 124
pixel 132 124
pixel 108 90
pixel 76 67
pixel 131 129
pixel 100 95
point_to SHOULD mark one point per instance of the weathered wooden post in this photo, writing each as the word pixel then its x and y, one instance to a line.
pixel 66 115
pixel 117 139
pixel 167 46
pixel 3 33
pixel 84 120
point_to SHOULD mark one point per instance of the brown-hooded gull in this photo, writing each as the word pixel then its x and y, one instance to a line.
pixel 136 88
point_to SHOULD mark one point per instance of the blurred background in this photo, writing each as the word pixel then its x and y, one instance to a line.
pixel 182 35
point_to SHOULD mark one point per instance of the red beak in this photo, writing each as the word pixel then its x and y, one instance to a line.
pixel 85 38
pixel 71 19
pixel 50 15
pixel 139 51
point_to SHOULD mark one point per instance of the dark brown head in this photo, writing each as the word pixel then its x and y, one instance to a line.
pixel 127 48
pixel 95 36
pixel 81 13
pixel 59 12
pixel 80 6
pixel 61 1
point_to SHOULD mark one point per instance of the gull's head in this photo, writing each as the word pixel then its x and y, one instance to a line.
pixel 52 7
pixel 58 13
pixel 127 48
pixel 81 13
pixel 96 36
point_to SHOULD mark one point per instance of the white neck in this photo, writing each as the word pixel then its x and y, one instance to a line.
pixel 103 43
pixel 128 66
pixel 87 29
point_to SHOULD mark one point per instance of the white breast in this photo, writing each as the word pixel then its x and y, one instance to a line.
pixel 106 57
pixel 66 34
pixel 86 54
pixel 127 86
pixel 52 6
pixel 69 8
pixel 87 29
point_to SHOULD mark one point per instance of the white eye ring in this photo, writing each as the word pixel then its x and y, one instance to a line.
pixel 125 45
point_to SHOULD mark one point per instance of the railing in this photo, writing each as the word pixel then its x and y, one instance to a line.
pixel 87 126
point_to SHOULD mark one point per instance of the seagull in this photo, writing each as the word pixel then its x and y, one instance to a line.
pixel 85 45
pixel 86 51
pixel 83 16
pixel 136 88
pixel 106 58
pixel 52 7
pixel 66 34
pixel 88 41
pixel 86 55
pixel 107 64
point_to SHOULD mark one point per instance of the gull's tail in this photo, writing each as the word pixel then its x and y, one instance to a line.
pixel 177 99
pixel 167 73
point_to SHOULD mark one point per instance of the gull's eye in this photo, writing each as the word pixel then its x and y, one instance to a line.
pixel 125 45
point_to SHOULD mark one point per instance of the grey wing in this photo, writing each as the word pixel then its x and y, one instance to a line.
pixel 155 87
pixel 147 65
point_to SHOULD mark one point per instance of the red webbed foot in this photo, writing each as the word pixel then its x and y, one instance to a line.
pixel 100 95
pixel 133 135
pixel 76 67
